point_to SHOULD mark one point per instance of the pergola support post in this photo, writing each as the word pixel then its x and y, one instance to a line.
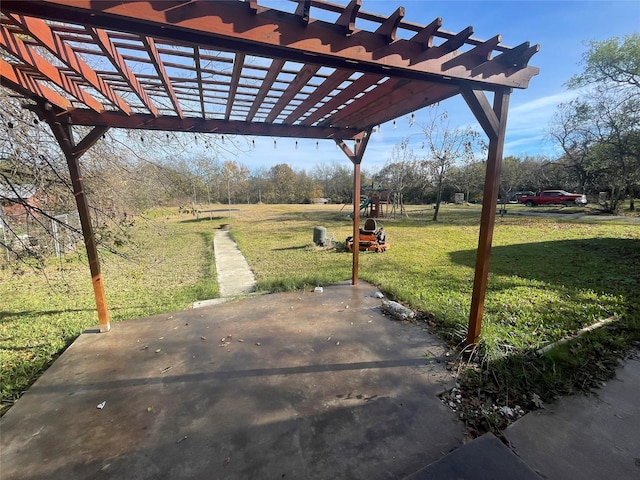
pixel 494 122
pixel 356 224
pixel 73 152
pixel 361 141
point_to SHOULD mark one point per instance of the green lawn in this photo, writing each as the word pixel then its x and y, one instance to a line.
pixel 549 278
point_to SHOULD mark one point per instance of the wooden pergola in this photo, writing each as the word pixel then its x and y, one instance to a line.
pixel 236 67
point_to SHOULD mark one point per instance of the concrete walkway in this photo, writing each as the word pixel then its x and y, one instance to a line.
pixel 585 437
pixel 235 278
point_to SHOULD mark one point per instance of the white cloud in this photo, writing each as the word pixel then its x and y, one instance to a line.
pixel 544 103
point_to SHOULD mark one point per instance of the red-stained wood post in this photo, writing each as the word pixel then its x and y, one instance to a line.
pixel 73 152
pixel 356 224
pixel 90 243
pixel 361 141
pixel 494 122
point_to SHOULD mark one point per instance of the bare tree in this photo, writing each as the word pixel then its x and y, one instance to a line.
pixel 447 146
pixel 399 172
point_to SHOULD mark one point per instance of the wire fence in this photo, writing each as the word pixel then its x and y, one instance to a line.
pixel 37 236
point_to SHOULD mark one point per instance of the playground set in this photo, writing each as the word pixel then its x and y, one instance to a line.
pixel 375 202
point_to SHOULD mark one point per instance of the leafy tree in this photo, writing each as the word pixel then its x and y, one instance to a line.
pixel 598 132
pixel 468 178
pixel 281 188
pixel 614 61
pixel 573 129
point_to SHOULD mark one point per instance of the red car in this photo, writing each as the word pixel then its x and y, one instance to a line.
pixel 553 197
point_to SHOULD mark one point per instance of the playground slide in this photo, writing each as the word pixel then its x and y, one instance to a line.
pixel 365 203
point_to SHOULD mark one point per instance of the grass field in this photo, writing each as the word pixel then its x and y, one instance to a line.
pixel 549 278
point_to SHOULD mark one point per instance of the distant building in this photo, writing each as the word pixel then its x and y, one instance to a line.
pixel 16 199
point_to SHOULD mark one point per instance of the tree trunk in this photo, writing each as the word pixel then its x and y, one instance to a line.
pixel 436 208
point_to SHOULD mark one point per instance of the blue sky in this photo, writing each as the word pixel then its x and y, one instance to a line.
pixel 559 27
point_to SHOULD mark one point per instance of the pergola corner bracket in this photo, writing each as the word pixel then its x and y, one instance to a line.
pixel 481 109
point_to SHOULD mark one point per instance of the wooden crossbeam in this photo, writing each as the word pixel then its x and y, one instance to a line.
pixel 426 34
pixel 270 77
pixel 42 33
pixel 102 39
pixel 233 86
pixel 389 27
pixel 413 96
pixel 307 72
pixel 17 80
pixel 470 58
pixel 457 41
pixel 347 18
pixel 16 47
pixel 356 87
pixel 325 88
pixel 514 57
pixel 361 105
pixel 154 55
pixel 303 10
pixel 196 57
pixel 139 121
pixel 276 34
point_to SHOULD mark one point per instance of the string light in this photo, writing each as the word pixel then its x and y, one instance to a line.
pixel 394 124
pixel 223 139
pixel 253 143
pixel 274 144
pixel 296 144
pixel 412 119
pixel 317 145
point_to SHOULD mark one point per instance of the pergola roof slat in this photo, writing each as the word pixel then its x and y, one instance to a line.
pixel 356 87
pixel 154 55
pixel 294 87
pixel 104 42
pixel 272 74
pixel 318 94
pixel 235 78
pixel 41 32
pixel 15 46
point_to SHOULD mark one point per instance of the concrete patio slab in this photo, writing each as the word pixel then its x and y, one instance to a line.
pixel 294 385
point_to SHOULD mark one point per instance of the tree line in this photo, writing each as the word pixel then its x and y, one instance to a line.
pixel 128 172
